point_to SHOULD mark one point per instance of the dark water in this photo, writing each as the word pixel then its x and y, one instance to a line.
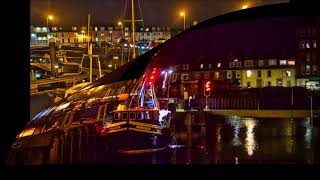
pixel 224 140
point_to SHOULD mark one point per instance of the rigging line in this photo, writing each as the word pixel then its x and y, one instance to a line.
pixel 141 14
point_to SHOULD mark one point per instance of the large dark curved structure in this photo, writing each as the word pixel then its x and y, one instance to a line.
pixel 257 33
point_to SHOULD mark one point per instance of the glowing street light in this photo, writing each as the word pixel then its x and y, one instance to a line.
pixel 49 17
pixel 184 19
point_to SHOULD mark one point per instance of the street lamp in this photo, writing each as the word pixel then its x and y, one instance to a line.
pixel 184 19
pixel 49 17
pixel 120 24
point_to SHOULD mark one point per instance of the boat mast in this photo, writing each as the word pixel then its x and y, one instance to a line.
pixel 89 48
pixel 133 37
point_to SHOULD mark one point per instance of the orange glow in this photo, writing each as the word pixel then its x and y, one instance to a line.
pixel 50 17
pixel 152 77
pixel 245 6
pixel 182 13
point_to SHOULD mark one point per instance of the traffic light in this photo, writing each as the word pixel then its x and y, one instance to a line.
pixel 207 88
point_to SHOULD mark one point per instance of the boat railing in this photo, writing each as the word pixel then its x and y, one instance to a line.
pixel 135 115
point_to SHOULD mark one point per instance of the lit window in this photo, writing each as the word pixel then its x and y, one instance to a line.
pixel 249 73
pixel 291 62
pixel 307 45
pixel 216 75
pixel 260 62
pixel 231 64
pixel 185 67
pixel 201 66
pixel 283 62
pixel 272 62
pixel 229 74
pixel 287 73
pixel 96 29
pixel 248 63
pixel 302 44
pixel 308 69
pixel 218 65
pixel 314 44
pixel 185 77
pixel 238 64
pixel 237 74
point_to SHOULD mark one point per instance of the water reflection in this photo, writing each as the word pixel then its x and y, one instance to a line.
pixel 236 124
pixel 250 144
pixel 228 140
pixel 308 133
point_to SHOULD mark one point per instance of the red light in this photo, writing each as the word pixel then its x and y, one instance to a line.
pixel 153 72
pixel 152 77
pixel 207 85
pixel 208 89
pixel 150 83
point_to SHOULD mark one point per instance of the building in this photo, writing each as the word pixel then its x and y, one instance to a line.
pixel 40 35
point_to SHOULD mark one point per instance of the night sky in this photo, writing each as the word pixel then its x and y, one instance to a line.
pixel 154 12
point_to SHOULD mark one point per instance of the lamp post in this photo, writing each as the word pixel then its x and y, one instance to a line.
pixel 49 17
pixel 184 19
pixel 120 24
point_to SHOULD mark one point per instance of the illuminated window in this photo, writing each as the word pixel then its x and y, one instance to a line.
pixel 302 44
pixel 238 74
pixel 291 62
pixel 287 73
pixel 248 63
pixel 249 73
pixel 185 66
pixel 184 77
pixel 96 28
pixel 229 74
pixel 260 62
pixel 216 75
pixel 283 62
pixel 231 64
pixel 74 28
pixel 307 69
pixel 272 62
pixel 174 78
pixel 218 65
pixel 314 44
pixel 238 64
pixel 308 45
pixel 201 66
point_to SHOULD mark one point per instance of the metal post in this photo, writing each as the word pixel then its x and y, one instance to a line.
pixel 184 22
pixel 206 102
pixel 100 74
pixel 133 38
pixel 311 113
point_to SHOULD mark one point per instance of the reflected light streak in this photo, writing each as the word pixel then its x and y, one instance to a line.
pixel 308 133
pixel 250 138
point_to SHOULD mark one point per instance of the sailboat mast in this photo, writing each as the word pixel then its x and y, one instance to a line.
pixel 89 49
pixel 133 29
